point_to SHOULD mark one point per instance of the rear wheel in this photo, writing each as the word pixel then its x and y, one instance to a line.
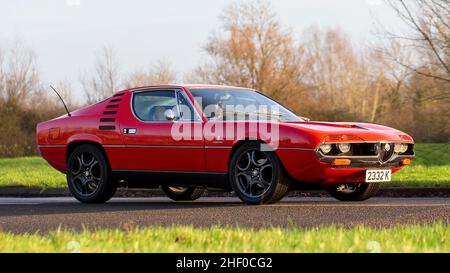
pixel 183 193
pixel 257 176
pixel 88 175
pixel 354 192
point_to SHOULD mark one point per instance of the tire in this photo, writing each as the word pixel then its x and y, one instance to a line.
pixel 357 192
pixel 183 193
pixel 256 176
pixel 88 175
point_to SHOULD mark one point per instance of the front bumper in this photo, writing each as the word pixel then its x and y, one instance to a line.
pixel 348 175
pixel 368 161
pixel 308 167
pixel 356 170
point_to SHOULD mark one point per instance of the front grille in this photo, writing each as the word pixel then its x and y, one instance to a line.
pixel 385 153
pixel 357 149
pixel 364 149
pixel 410 150
pixel 368 155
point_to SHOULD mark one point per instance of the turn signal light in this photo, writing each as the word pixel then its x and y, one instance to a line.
pixel 406 161
pixel 341 162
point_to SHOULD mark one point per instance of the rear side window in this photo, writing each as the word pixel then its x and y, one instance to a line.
pixel 150 106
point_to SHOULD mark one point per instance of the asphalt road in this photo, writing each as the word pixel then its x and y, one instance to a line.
pixel 20 215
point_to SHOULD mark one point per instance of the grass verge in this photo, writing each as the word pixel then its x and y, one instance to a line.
pixel 430 168
pixel 30 172
pixel 407 238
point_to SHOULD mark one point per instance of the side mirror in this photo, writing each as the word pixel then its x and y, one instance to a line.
pixel 305 118
pixel 169 115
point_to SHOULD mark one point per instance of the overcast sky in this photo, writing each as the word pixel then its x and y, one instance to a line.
pixel 66 34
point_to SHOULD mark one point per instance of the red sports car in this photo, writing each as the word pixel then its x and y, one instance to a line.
pixel 187 138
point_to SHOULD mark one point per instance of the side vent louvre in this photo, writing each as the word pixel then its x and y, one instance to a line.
pixel 110 115
pixel 107 119
pixel 101 127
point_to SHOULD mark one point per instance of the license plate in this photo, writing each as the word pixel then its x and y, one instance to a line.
pixel 378 176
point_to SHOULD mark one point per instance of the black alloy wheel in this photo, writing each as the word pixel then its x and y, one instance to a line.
pixel 88 175
pixel 257 176
pixel 183 193
pixel 354 192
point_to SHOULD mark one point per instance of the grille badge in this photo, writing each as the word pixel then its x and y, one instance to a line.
pixel 385 153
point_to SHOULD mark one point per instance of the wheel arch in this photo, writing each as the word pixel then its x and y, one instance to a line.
pixel 76 143
pixel 241 142
pixel 271 194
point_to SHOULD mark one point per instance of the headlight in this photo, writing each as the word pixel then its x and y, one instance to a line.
pixel 403 148
pixel 344 147
pixel 397 148
pixel 325 148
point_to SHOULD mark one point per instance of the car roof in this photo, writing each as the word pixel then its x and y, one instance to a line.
pixel 188 86
pixel 214 86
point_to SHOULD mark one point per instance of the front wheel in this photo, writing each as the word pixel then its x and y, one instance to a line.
pixel 88 175
pixel 257 176
pixel 354 192
pixel 183 193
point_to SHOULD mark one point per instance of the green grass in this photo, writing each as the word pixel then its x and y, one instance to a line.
pixel 29 172
pixel 409 238
pixel 430 168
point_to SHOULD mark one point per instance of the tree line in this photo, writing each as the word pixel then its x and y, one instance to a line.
pixel 402 81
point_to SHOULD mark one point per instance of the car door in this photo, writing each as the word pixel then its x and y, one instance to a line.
pixel 153 142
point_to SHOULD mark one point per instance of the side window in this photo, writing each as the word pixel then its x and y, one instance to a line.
pixel 187 112
pixel 150 106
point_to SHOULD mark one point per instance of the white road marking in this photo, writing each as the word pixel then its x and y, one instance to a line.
pixel 233 201
pixel 18 203
pixel 357 205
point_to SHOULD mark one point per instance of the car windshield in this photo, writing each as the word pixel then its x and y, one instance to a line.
pixel 230 104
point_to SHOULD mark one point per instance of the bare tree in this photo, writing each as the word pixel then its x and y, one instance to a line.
pixel 253 50
pixel 428 22
pixel 105 80
pixel 421 61
pixel 338 76
pixel 49 100
pixel 23 100
pixel 159 73
pixel 18 74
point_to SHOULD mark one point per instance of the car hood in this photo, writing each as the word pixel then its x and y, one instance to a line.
pixel 351 131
